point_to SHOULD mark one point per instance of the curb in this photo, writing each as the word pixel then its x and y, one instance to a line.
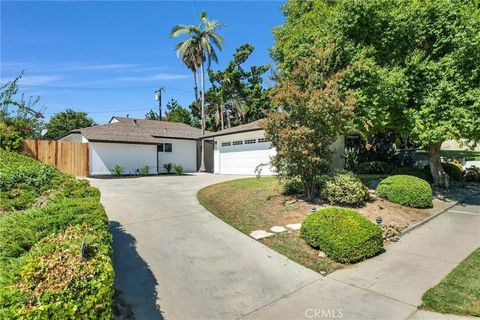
pixel 418 224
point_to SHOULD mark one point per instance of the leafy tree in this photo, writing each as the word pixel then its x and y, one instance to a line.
pixel 152 115
pixel 176 113
pixel 19 118
pixel 417 70
pixel 237 95
pixel 199 47
pixel 63 122
pixel 315 110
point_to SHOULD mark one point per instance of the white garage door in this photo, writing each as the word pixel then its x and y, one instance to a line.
pixel 236 158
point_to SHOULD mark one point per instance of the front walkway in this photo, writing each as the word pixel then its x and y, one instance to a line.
pixel 173 259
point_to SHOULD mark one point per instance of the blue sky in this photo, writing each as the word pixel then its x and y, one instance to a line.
pixel 108 57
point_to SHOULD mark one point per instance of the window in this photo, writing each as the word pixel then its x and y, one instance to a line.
pixel 164 147
pixel 226 144
pixel 250 141
pixel 236 143
pixel 262 140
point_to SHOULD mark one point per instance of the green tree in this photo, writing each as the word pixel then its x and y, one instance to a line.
pixel 237 95
pixel 176 113
pixel 200 48
pixel 152 115
pixel 63 122
pixel 417 70
pixel 315 109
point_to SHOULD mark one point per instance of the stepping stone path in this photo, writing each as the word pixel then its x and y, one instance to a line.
pixel 278 229
pixel 294 226
pixel 260 234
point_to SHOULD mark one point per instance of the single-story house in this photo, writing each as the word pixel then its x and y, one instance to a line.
pixel 135 143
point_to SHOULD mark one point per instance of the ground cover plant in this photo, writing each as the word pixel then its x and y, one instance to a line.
pixel 45 274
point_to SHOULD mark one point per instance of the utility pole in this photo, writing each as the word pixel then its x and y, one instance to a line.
pixel 158 97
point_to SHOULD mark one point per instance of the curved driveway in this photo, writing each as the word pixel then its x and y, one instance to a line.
pixel 173 259
pixel 169 251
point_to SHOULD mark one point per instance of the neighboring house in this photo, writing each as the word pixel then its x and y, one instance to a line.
pixel 239 150
pixel 134 143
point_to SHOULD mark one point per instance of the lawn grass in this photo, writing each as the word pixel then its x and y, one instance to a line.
pixel 469 155
pixel 459 292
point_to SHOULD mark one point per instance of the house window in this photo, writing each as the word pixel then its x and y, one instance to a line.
pixel 236 143
pixel 226 144
pixel 250 141
pixel 262 140
pixel 164 147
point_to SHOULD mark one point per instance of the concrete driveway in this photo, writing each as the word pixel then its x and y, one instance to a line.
pixel 173 259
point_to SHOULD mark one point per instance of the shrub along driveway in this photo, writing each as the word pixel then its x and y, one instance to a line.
pixel 171 252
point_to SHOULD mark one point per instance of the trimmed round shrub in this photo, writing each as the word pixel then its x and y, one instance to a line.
pixel 406 190
pixel 374 167
pixel 414 171
pixel 343 188
pixel 455 172
pixel 343 234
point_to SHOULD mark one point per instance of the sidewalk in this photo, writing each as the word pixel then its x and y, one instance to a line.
pixel 391 285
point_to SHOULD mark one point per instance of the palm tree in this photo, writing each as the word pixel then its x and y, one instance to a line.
pixel 199 49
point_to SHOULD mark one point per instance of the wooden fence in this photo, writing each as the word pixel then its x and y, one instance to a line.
pixel 68 157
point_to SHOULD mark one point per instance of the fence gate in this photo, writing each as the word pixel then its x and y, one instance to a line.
pixel 68 157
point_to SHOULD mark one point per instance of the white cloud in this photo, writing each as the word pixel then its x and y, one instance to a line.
pixel 158 76
pixel 35 80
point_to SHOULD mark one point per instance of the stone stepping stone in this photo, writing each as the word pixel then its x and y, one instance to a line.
pixel 278 229
pixel 260 234
pixel 294 226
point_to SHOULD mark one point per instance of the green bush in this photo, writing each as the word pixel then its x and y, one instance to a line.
pixel 117 170
pixel 168 167
pixel 472 174
pixel 374 167
pixel 293 187
pixel 414 171
pixel 178 169
pixel 10 140
pixel 144 171
pixel 343 234
pixel 406 190
pixel 343 188
pixel 43 275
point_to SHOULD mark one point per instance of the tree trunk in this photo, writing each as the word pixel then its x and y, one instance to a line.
pixel 440 178
pixel 222 110
pixel 195 85
pixel 202 79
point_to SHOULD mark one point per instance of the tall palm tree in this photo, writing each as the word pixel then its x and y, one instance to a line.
pixel 199 48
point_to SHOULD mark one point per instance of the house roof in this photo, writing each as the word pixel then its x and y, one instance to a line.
pixel 130 130
pixel 252 126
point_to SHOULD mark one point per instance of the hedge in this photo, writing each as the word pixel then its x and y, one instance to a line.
pixel 343 234
pixel 406 190
pixel 374 167
pixel 43 272
pixel 414 171
pixel 455 172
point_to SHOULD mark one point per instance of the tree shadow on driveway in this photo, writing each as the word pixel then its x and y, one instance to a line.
pixel 134 281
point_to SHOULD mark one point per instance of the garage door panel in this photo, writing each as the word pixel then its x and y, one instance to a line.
pixel 244 162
